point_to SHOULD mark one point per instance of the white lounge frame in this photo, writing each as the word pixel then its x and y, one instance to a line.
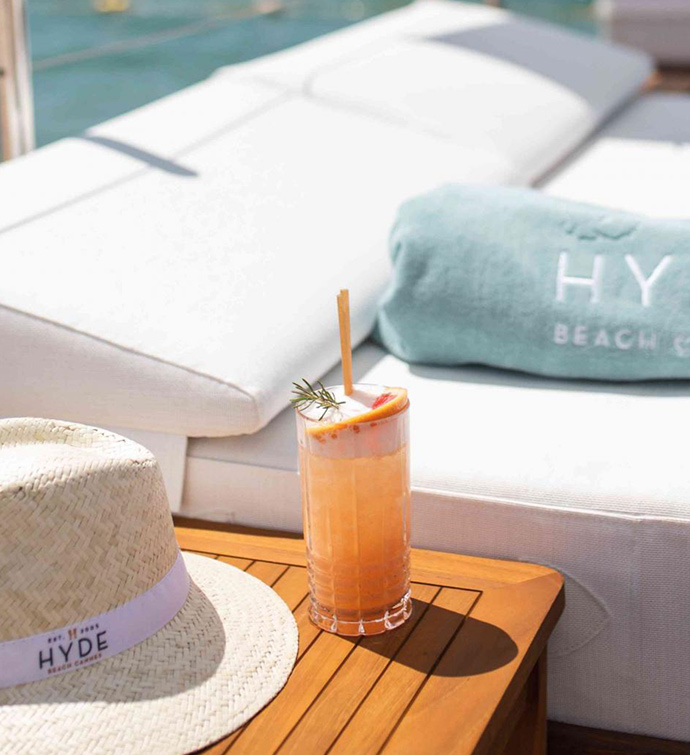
pixel 16 96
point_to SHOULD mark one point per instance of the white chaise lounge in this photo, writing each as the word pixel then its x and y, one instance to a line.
pixel 172 271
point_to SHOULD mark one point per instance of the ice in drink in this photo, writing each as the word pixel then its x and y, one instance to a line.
pixel 354 468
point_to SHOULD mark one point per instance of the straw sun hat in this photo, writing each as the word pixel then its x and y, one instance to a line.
pixel 110 640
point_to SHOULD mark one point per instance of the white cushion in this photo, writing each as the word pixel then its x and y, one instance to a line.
pixel 572 444
pixel 480 76
pixel 156 135
pixel 639 162
pixel 213 287
pixel 588 478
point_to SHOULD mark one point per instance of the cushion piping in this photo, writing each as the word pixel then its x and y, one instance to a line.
pixel 128 349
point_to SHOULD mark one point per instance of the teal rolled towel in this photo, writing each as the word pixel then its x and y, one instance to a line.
pixel 516 279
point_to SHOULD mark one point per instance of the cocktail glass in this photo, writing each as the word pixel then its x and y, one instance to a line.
pixel 356 505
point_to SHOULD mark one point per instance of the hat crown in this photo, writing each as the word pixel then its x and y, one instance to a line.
pixel 85 524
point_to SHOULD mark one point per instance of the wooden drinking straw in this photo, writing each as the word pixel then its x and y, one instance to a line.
pixel 345 345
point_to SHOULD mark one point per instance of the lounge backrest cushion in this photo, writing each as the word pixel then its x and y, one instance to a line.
pixel 187 291
pixel 175 269
pixel 480 76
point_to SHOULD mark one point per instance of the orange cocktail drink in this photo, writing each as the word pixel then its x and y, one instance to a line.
pixel 354 468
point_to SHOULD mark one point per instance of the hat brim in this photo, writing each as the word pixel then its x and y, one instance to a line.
pixel 223 657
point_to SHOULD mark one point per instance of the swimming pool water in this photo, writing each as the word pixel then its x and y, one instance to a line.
pixel 90 65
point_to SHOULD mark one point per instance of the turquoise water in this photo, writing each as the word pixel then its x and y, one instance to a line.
pixel 90 66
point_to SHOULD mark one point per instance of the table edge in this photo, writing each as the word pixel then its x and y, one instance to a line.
pixel 437 567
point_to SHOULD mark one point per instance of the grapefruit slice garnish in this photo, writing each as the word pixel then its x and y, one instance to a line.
pixel 384 398
pixel 390 402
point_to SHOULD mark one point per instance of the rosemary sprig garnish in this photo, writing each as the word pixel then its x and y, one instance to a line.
pixel 306 395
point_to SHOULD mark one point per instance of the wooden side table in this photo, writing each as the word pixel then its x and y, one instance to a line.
pixel 466 674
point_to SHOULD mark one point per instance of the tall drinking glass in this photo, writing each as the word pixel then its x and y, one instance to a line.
pixel 356 504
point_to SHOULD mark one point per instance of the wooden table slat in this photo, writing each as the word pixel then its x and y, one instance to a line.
pixel 484 668
pixel 268 573
pixel 308 632
pixel 212 556
pixel 373 722
pixel 337 702
pixel 293 586
pixel 239 563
